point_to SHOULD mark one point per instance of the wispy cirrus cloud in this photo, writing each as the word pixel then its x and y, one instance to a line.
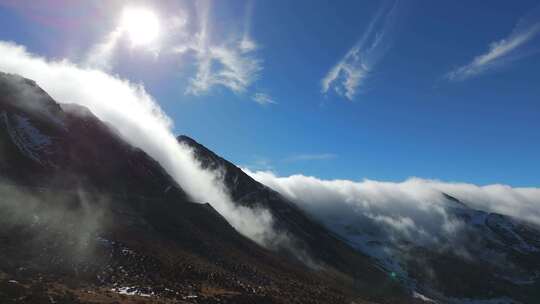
pixel 355 67
pixel 227 60
pixel 263 99
pixel 265 164
pixel 228 66
pixel 260 163
pixel 308 157
pixel 232 64
pixel 506 50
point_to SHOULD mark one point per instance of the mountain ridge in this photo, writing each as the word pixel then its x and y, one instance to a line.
pixel 105 223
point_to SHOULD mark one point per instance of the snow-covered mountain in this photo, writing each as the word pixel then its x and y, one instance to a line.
pixel 489 258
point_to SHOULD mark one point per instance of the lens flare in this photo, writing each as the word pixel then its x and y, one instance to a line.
pixel 141 25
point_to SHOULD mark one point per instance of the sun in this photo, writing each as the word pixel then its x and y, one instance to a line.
pixel 141 25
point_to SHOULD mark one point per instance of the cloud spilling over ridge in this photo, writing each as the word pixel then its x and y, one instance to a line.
pixel 503 51
pixel 413 209
pixel 141 122
pixel 353 69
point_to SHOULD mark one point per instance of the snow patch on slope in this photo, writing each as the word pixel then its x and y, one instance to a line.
pixel 420 296
pixel 371 245
pixel 133 291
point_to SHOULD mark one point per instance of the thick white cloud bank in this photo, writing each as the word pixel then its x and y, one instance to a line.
pixel 415 208
pixel 141 122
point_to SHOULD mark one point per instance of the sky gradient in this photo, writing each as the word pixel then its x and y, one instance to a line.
pixel 370 89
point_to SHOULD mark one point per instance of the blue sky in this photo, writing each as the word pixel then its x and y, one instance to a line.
pixel 437 90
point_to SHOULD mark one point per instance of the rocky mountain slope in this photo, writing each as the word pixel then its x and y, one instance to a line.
pixel 87 218
pixel 320 245
pixel 490 258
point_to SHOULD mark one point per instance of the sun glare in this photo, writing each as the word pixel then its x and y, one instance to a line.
pixel 141 25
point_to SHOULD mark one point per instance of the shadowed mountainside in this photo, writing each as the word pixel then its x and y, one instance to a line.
pixel 87 218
